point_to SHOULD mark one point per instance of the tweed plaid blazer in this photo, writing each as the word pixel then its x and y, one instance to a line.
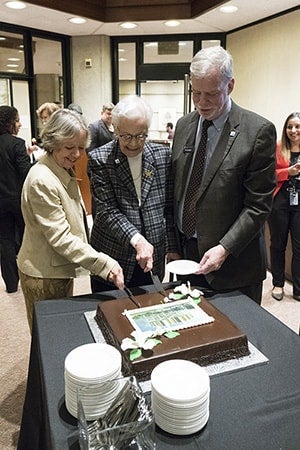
pixel 119 215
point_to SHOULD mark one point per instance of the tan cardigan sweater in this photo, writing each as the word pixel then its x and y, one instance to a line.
pixel 55 244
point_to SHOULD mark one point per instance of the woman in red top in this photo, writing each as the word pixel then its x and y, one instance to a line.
pixel 285 214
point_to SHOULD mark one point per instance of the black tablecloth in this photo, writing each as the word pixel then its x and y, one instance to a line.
pixel 251 409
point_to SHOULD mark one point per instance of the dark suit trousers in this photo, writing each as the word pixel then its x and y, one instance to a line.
pixel 11 234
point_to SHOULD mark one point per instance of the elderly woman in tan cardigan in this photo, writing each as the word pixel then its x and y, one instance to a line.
pixel 55 246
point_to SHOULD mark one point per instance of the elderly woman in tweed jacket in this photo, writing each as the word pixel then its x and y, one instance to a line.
pixel 133 192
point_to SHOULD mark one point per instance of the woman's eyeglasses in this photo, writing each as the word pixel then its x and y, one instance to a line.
pixel 129 137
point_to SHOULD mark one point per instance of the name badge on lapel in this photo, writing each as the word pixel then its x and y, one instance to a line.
pixel 188 149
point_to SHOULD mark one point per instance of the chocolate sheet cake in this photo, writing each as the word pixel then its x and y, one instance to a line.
pixel 205 344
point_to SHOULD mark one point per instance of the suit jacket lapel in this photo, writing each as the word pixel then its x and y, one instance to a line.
pixel 188 151
pixel 227 138
pixel 104 130
pixel 123 170
pixel 148 171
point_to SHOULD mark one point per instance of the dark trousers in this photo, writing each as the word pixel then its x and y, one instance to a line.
pixel 281 223
pixel 139 278
pixel 190 251
pixel 11 234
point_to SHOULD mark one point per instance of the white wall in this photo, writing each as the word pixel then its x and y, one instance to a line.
pixel 92 87
pixel 266 61
pixel 267 67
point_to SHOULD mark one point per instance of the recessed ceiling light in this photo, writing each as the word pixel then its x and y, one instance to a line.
pixel 122 59
pixel 172 23
pixel 128 25
pixel 15 5
pixel 77 20
pixel 2 38
pixel 228 9
pixel 151 44
pixel 12 65
pixel 13 59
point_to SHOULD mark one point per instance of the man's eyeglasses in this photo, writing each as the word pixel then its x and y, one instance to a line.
pixel 130 137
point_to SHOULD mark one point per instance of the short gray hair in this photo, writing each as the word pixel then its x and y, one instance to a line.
pixel 132 107
pixel 63 125
pixel 212 58
pixel 107 107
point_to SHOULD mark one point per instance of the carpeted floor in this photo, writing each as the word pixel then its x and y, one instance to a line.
pixel 14 356
pixel 15 347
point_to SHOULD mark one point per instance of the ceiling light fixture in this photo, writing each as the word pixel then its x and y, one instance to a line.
pixel 128 25
pixel 13 59
pixel 172 23
pixel 15 5
pixel 77 20
pixel 227 9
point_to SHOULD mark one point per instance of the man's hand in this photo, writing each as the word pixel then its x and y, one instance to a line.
pixel 144 254
pixel 116 276
pixel 212 260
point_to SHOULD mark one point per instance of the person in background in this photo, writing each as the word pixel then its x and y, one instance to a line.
pixel 169 130
pixel 102 131
pixel 75 107
pixel 55 246
pixel 44 112
pixel 80 168
pixel 14 166
pixel 285 215
pixel 132 187
pixel 220 218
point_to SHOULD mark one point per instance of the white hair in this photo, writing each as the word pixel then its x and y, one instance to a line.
pixel 132 107
pixel 212 58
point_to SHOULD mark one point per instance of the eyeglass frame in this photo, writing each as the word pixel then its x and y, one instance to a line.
pixel 127 137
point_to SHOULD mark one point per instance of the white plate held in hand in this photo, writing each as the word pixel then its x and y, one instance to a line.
pixel 182 267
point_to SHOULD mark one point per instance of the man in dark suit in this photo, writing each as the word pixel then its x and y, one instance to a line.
pixel 132 187
pixel 233 199
pixel 102 131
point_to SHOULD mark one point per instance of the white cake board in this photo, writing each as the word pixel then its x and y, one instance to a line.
pixel 255 358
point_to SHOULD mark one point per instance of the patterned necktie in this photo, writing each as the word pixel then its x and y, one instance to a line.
pixel 188 218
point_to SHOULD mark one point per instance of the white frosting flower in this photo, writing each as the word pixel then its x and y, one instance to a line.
pixel 186 290
pixel 195 293
pixel 182 289
pixel 140 340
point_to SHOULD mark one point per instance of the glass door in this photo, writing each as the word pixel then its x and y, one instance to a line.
pixel 167 101
pixel 157 68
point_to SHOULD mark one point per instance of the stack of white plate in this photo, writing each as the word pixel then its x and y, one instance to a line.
pixel 180 396
pixel 89 371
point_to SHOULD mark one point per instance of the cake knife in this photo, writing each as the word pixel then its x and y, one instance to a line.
pixel 131 296
pixel 158 285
